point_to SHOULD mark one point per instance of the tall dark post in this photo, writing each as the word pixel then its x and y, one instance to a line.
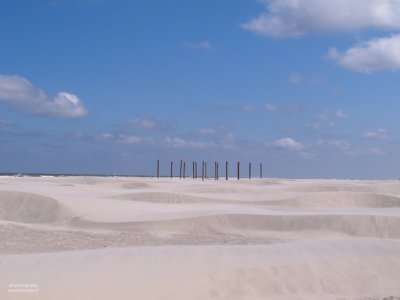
pixel 184 169
pixel 226 170
pixel 193 170
pixel 261 175
pixel 215 170
pixel 158 168
pixel 217 173
pixel 172 164
pixel 249 170
pixel 202 170
pixel 180 170
pixel 238 170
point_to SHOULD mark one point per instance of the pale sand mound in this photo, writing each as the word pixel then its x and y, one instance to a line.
pixel 312 188
pixel 324 200
pixel 134 185
pixel 299 239
pixel 317 200
pixel 357 225
pixel 167 198
pixel 336 269
pixel 30 208
pixel 87 180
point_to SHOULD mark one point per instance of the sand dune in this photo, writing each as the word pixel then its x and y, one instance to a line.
pixel 361 226
pixel 30 208
pixel 312 200
pixel 325 200
pixel 143 238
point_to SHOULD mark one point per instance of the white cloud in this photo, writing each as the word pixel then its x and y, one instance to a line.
pixel 378 134
pixel 133 140
pixel 4 122
pixel 249 107
pixel 340 144
pixel 125 139
pixel 296 78
pixel 176 142
pixel 327 119
pixel 376 151
pixel 272 107
pixel 106 137
pixel 147 123
pixel 20 94
pixel 341 114
pixel 295 18
pixel 207 131
pixel 199 45
pixel 288 144
pixel 228 141
pixel 371 56
pixel 284 109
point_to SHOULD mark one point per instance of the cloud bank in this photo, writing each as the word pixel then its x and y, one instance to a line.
pixel 295 18
pixel 23 96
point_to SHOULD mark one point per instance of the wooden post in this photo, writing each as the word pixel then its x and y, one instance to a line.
pixel 217 170
pixel 184 169
pixel 158 168
pixel 238 170
pixel 261 171
pixel 226 170
pixel 249 170
pixel 193 170
pixel 202 170
pixel 180 170
pixel 172 163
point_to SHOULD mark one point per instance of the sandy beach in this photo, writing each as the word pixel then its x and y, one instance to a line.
pixel 148 238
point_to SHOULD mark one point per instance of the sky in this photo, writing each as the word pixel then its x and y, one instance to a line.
pixel 310 88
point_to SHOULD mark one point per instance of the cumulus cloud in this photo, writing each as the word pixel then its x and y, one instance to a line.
pixel 378 134
pixel 371 56
pixel 288 144
pixel 23 96
pixel 199 45
pixel 295 18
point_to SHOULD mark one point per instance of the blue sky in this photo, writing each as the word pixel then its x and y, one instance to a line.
pixel 308 87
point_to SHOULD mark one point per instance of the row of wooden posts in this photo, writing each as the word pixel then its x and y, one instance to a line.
pixel 182 170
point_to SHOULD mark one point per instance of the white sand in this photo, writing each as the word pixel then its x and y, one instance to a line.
pixel 143 238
